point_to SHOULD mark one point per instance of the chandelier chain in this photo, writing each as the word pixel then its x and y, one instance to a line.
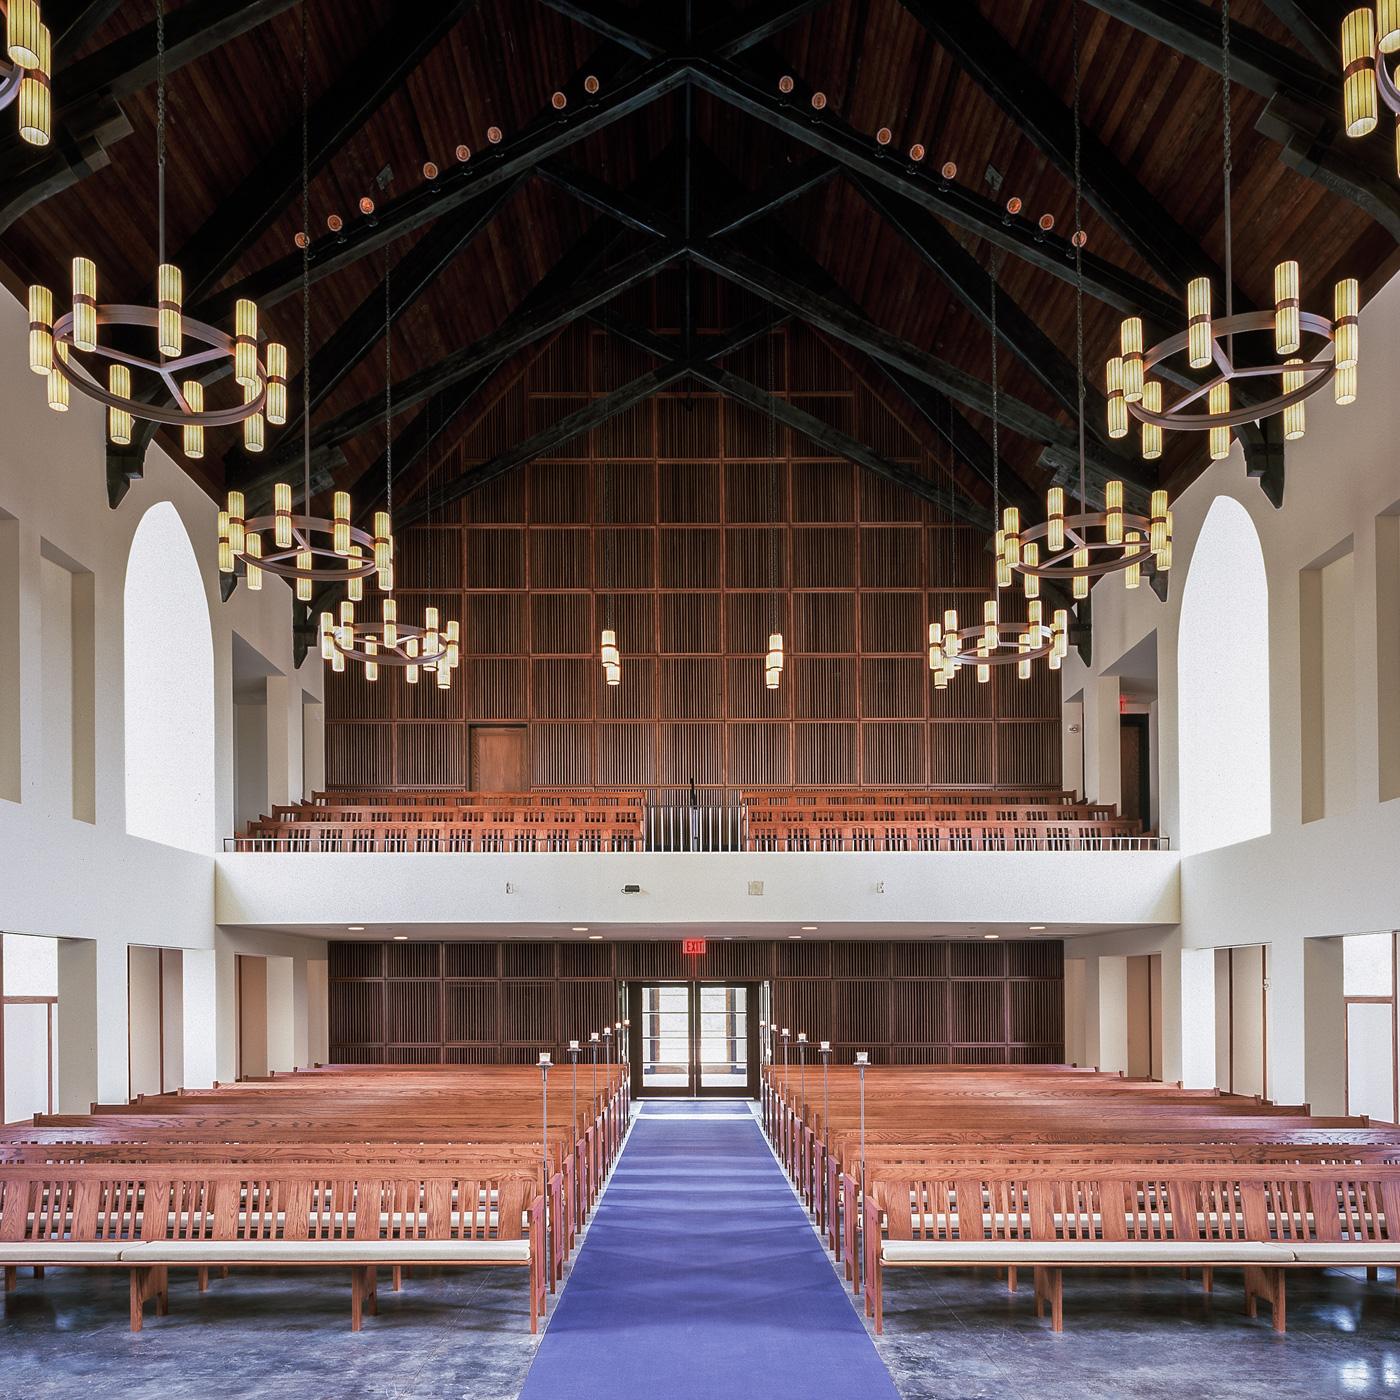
pixel 996 404
pixel 1228 164
pixel 609 540
pixel 388 393
pixel 160 122
pixel 305 275
pixel 1078 256
pixel 772 472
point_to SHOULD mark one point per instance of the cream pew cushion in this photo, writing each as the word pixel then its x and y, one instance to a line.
pixel 62 1252
pixel 327 1252
pixel 1057 1252
pixel 1381 1252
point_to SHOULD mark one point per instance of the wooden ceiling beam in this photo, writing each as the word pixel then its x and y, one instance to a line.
pixel 756 24
pixel 1059 443
pixel 630 28
pixel 409 280
pixel 1315 26
pixel 635 214
pixel 791 185
pixel 358 91
pixel 1304 112
pixel 965 277
pixel 841 444
pixel 1014 85
pixel 73 22
pixel 854 150
pixel 545 135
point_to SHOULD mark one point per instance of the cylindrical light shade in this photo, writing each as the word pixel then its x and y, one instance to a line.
pixel 304 566
pixel 1055 510
pixel 1130 342
pixel 391 624
pixel 1081 583
pixel 1023 667
pixel 1030 556
pixel 35 98
pixel 40 329
pixel 1117 404
pixel 1294 418
pixel 253 550
pixel 341 526
pixel 193 391
pixel 276 407
pixel 338 661
pixel 1132 575
pixel 1158 538
pixel 236 532
pixel 984 672
pixel 22 26
pixel 1387 25
pixel 282 515
pixel 355 587
pixel 119 419
pixel 1164 555
pixel 84 303
pixel 1199 345
pixel 1011 531
pixel 1288 335
pixel 1344 386
pixel 327 636
pixel 608 653
pixel 253 424
pixel 383 556
pixel 371 666
pixel 1113 505
pixel 1151 433
pixel 245 342
pixel 57 384
pixel 1359 72
pixel 168 308
pixel 1346 303
pixel 444 677
pixel 1220 437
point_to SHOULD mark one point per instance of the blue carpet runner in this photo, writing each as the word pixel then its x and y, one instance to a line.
pixel 702 1279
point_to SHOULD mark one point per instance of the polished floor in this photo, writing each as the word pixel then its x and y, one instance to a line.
pixel 949 1335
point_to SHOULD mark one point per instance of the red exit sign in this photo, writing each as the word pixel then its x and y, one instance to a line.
pixel 694 945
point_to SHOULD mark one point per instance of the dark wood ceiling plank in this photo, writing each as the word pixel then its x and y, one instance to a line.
pixel 790 185
pixel 859 152
pixel 380 69
pixel 545 135
pixel 1017 88
pixel 630 28
pixel 755 25
pixel 630 212
pixel 73 22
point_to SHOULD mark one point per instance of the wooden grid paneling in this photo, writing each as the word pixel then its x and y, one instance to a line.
pixel 686 482
pixel 907 1003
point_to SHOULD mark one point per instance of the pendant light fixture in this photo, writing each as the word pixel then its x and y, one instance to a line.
pixel 1209 342
pixel 304 549
pixel 774 658
pixel 608 651
pixel 435 646
pixel 171 394
pixel 1076 549
pixel 1367 36
pixel 26 70
pixel 994 642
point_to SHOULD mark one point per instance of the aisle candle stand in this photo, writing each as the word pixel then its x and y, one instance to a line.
pixel 593 1045
pixel 544 1063
pixel 578 1183
pixel 862 1060
pixel 824 1050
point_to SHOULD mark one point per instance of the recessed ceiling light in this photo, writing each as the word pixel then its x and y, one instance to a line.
pixel 580 928
pixel 595 937
pixel 1037 928
pixel 400 938
pixel 809 928
pixel 354 928
pixel 991 935
pixel 794 935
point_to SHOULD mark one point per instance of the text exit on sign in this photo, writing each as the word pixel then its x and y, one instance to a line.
pixel 694 945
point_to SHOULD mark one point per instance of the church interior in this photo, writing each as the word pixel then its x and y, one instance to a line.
pixel 699 698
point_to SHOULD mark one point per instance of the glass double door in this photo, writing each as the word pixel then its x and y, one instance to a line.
pixel 693 1039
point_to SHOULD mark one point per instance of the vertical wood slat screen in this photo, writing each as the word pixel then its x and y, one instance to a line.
pixel 862 568
pixel 501 1003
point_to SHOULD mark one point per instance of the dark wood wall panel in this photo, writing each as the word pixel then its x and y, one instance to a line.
pixel 685 480
pixel 985 1002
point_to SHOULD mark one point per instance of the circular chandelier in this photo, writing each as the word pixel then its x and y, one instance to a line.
pixel 952 647
pixel 433 647
pixel 24 77
pixel 173 398
pixel 306 549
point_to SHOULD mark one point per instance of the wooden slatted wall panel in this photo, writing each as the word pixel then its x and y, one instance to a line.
pixel 501 1003
pixel 861 568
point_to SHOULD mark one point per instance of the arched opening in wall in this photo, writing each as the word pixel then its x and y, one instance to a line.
pixel 169 687
pixel 1223 685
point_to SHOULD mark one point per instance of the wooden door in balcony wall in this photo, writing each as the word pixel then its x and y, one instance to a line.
pixel 500 759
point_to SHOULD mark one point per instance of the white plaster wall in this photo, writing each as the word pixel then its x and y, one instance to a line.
pixel 87 882
pixel 1336 875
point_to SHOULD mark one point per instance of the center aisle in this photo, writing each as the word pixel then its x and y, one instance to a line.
pixel 701 1278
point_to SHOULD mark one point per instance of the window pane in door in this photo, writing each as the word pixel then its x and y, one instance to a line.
pixel 724 1037
pixel 665 1037
pixel 1370 1060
